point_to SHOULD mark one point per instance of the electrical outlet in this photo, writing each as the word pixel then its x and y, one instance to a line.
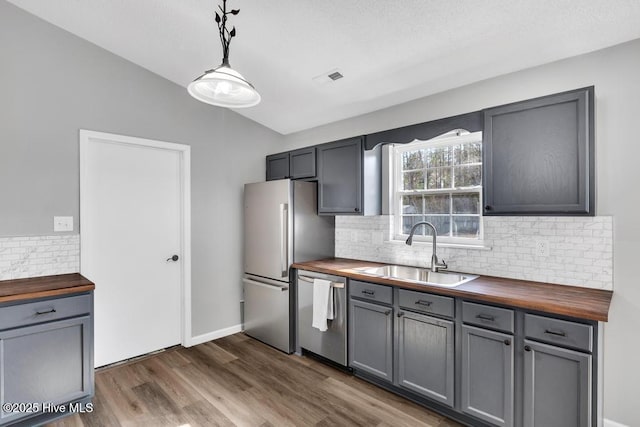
pixel 62 223
pixel 542 248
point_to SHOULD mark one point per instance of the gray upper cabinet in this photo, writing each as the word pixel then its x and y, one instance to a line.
pixel 425 356
pixel 277 166
pixel 557 386
pixel 539 156
pixel 296 164
pixel 302 163
pixel 371 338
pixel 349 178
pixel 340 177
pixel 488 375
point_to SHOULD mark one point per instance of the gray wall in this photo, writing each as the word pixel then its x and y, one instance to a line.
pixel 53 83
pixel 615 74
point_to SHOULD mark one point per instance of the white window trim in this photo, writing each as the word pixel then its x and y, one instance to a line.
pixel 453 137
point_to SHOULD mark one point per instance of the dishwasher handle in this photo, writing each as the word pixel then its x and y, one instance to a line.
pixel 277 288
pixel 310 280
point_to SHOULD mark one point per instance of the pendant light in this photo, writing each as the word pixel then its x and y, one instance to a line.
pixel 223 86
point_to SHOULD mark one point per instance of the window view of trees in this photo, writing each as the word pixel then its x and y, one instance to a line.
pixel 441 184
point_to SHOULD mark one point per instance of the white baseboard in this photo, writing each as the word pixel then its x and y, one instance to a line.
pixel 213 335
pixel 609 423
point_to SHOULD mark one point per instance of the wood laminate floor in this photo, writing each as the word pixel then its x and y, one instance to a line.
pixel 238 381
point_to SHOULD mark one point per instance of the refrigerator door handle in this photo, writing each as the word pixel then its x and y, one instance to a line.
pixel 266 285
pixel 284 244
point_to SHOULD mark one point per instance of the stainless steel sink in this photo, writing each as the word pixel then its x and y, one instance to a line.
pixel 418 275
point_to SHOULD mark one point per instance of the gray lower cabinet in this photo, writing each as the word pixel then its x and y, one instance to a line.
pixel 45 363
pixel 488 375
pixel 557 386
pixel 426 356
pixel 513 368
pixel 371 338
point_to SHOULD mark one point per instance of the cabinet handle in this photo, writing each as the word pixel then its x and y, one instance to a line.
pixel 388 312
pixel 486 317
pixel 556 333
pixel 423 302
pixel 507 342
pixel 488 208
pixel 401 314
pixel 527 348
pixel 368 292
pixel 357 209
pixel 39 313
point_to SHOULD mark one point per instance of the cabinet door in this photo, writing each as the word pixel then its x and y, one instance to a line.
pixel 539 156
pixel 557 386
pixel 487 375
pixel 370 338
pixel 425 356
pixel 340 177
pixel 278 166
pixel 302 163
pixel 50 362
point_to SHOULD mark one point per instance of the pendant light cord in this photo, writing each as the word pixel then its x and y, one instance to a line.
pixel 225 35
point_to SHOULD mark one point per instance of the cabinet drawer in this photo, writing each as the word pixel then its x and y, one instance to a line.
pixel 560 332
pixel 426 303
pixel 43 311
pixel 379 293
pixel 500 319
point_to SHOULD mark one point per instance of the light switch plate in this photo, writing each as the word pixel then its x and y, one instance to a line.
pixel 62 223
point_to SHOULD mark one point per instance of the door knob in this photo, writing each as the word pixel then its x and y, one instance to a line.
pixel 173 258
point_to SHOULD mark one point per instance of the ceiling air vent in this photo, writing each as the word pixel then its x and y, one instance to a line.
pixel 328 77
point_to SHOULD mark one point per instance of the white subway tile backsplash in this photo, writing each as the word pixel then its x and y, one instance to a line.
pixel 34 256
pixel 580 248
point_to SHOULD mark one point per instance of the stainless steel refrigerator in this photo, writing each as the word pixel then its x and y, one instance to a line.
pixel 281 226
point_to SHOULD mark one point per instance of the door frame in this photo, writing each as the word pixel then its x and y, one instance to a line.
pixel 184 151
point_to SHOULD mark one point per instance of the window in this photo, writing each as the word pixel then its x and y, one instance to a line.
pixel 440 181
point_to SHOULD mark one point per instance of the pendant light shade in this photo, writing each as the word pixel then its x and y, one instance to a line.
pixel 224 86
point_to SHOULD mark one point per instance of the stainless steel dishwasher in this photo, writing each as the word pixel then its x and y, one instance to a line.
pixel 332 343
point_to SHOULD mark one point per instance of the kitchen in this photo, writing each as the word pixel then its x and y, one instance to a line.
pixel 40 161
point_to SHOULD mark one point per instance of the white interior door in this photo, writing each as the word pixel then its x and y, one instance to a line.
pixel 131 208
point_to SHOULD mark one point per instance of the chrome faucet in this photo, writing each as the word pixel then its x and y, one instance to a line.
pixel 435 265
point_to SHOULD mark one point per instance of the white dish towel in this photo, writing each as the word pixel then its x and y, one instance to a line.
pixel 323 309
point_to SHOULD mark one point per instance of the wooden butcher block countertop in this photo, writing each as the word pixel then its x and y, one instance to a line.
pixel 572 301
pixel 46 286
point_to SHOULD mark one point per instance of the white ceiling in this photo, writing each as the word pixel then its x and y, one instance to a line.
pixel 389 51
